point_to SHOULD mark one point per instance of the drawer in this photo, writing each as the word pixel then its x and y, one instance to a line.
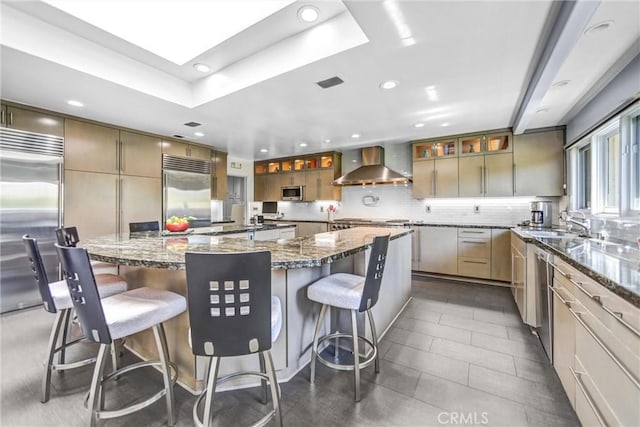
pixel 469 247
pixel 518 244
pixel 478 233
pixel 474 267
pixel 612 392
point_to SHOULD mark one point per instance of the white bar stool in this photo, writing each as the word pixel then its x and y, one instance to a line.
pixel 57 300
pixel 114 318
pixel 356 294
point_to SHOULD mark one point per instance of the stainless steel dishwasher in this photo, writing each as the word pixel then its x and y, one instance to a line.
pixel 544 308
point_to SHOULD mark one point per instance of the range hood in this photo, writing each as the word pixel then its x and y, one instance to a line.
pixel 372 171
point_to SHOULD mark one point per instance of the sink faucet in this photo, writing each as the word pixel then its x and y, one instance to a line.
pixel 585 224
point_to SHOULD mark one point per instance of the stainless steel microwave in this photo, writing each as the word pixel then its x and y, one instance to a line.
pixel 291 193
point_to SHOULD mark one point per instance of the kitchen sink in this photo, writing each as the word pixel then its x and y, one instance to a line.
pixel 557 234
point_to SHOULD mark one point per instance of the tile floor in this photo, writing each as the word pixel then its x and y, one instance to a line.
pixel 458 355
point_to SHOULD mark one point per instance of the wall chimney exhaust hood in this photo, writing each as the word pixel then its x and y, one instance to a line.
pixel 372 171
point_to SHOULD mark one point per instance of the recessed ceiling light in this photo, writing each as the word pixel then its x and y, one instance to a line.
pixel 264 150
pixel 389 84
pixel 303 144
pixel 561 83
pixel 308 13
pixel 355 135
pixel 432 93
pixel 203 68
pixel 418 125
pixel 327 141
pixel 444 125
pixel 354 161
pixel 600 26
pixel 75 103
pixel 198 134
pixel 542 110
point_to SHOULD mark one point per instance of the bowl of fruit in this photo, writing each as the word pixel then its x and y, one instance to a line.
pixel 177 223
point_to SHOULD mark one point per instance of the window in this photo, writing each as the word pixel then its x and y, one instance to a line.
pixel 634 167
pixel 584 181
pixel 605 167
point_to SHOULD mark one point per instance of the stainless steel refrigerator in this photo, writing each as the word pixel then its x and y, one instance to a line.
pixel 30 203
pixel 187 189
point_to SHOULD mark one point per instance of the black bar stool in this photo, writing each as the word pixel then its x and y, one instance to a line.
pixel 136 227
pixel 356 294
pixel 232 313
pixel 114 318
pixel 68 236
pixel 57 300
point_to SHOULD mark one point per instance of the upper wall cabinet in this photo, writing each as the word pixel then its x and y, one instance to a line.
pixel 31 121
pixel 538 164
pixel 484 144
pixel 96 148
pixel 218 175
pixel 186 150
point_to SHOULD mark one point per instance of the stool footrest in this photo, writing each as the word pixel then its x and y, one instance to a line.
pixel 137 406
pixel 345 367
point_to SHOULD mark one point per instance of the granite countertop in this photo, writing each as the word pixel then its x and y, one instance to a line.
pixel 167 252
pixel 218 230
pixel 618 274
pixel 487 226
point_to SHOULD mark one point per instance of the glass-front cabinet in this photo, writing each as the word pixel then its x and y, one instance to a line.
pixel 483 144
pixel 431 149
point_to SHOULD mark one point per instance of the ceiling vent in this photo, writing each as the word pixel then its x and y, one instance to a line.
pixel 175 135
pixel 193 124
pixel 330 82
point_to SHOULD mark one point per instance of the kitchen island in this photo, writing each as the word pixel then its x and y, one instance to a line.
pixel 156 260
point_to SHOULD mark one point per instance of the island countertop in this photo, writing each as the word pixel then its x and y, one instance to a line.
pixel 154 250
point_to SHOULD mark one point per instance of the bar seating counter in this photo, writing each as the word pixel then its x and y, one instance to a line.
pixel 157 260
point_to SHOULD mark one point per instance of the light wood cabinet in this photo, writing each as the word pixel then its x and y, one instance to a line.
pixel 501 255
pixel 140 155
pixel 519 274
pixel 218 175
pixel 440 257
pixel 435 178
pixel 474 252
pixel 314 172
pixel 184 149
pixel 90 147
pixel 563 337
pixel 90 202
pixel 538 164
pixel 486 176
pixel 31 121
pixel 304 229
pixel 138 200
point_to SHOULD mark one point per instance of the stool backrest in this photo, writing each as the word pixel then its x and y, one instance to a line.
pixel 67 236
pixel 77 271
pixel 229 299
pixel 40 273
pixel 135 227
pixel 375 269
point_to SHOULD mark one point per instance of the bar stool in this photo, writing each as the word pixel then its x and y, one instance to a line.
pixel 136 227
pixel 57 300
pixel 114 318
pixel 356 294
pixel 232 313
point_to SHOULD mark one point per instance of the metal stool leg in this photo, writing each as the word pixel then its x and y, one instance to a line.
pixel 263 382
pixel 51 350
pixel 356 356
pixel 65 332
pixel 211 389
pixel 273 383
pixel 163 355
pixel 95 394
pixel 314 350
pixel 374 338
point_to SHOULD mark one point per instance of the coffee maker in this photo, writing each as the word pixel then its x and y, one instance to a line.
pixel 541 214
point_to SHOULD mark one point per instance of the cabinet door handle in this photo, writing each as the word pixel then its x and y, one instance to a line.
pixel 486 180
pixel 2 116
pixel 121 154
pixel 10 118
pixel 578 377
pixel 618 317
pixel 625 371
pixel 515 179
pixel 481 179
pixel 471 232
pixel 433 183
pixel 555 267
pixel 436 175
pixel 579 285
pixel 560 297
pixel 474 242
pixel 474 262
